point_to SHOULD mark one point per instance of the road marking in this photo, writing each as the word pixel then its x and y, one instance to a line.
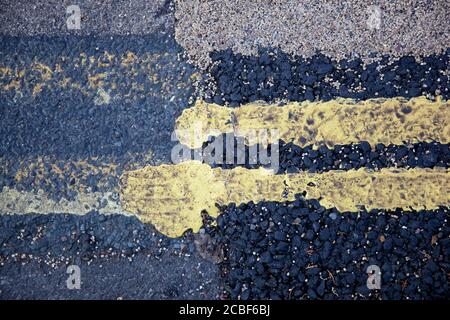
pixel 13 201
pixel 91 182
pixel 340 121
pixel 77 173
pixel 171 197
pixel 102 76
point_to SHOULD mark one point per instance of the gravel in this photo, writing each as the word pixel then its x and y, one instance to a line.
pixel 300 250
pixel 338 29
pixel 273 75
pixel 293 158
pixel 106 17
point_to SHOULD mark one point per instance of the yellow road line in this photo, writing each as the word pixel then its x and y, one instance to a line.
pixel 172 196
pixel 13 201
pixel 37 177
pixel 77 173
pixel 341 121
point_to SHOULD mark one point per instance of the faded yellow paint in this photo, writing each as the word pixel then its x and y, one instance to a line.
pixel 46 71
pixel 128 59
pixel 37 89
pixel 96 80
pixel 172 197
pixel 21 202
pixel 5 71
pixel 33 78
pixel 42 168
pixel 340 121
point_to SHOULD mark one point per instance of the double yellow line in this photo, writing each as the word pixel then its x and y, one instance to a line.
pixel 173 196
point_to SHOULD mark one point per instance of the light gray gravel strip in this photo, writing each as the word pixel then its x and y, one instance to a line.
pixel 106 17
pixel 338 29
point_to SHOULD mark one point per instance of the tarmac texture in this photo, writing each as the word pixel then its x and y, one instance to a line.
pixel 358 179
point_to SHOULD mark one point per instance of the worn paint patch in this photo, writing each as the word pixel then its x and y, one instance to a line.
pixel 77 173
pixel 102 97
pixel 67 178
pixel 13 201
pixel 41 185
pixel 341 121
pixel 101 76
pixel 172 197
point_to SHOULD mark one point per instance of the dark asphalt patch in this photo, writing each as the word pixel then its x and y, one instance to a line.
pixel 144 277
pixel 66 122
pixel 118 257
pixel 300 250
pixel 273 75
pixel 293 158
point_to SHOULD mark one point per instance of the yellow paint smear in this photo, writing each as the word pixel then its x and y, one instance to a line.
pixel 172 197
pixel 4 71
pixel 129 59
pixel 96 80
pixel 340 121
pixel 37 89
pixel 46 71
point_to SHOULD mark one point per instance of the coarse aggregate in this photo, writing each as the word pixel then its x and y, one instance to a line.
pixel 293 158
pixel 300 250
pixel 273 75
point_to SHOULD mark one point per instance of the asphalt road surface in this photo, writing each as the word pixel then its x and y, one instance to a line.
pixel 93 205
